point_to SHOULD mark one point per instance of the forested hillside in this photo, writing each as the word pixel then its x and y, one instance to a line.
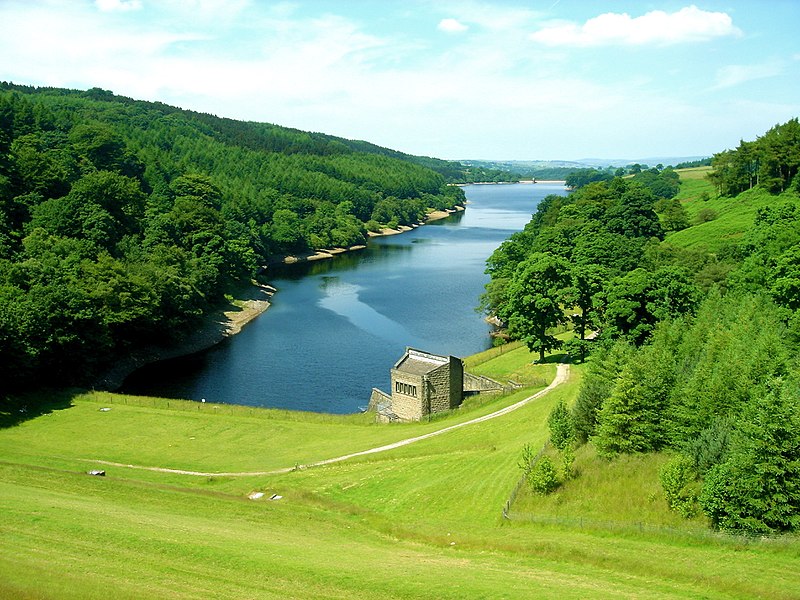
pixel 122 222
pixel 697 353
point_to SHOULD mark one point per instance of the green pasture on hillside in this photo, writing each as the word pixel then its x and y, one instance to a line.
pixel 421 521
pixel 731 217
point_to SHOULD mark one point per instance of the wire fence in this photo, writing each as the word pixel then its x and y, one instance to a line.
pixel 210 408
pixel 607 525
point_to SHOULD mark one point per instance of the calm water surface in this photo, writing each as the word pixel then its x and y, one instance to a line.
pixel 336 327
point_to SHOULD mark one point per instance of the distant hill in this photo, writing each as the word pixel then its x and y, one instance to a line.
pixel 516 170
pixel 650 162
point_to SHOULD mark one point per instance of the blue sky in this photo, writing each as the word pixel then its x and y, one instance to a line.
pixel 551 79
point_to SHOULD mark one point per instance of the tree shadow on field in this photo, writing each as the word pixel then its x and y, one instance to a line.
pixel 16 409
pixel 553 359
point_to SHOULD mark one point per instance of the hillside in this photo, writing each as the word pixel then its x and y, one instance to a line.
pixel 420 521
pixel 455 515
pixel 691 290
pixel 123 222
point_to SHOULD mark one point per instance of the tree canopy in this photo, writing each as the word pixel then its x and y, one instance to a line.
pixel 122 221
pixel 696 353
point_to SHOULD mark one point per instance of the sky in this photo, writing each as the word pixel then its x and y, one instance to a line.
pixel 454 79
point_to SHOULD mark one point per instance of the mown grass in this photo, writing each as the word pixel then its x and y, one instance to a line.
pixel 421 521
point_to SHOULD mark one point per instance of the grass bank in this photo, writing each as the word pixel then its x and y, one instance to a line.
pixel 421 521
pixel 717 221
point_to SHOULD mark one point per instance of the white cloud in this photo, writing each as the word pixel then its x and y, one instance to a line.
pixel 118 5
pixel 486 14
pixel 689 24
pixel 451 26
pixel 732 75
pixel 487 93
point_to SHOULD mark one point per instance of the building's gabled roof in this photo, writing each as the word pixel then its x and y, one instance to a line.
pixel 417 362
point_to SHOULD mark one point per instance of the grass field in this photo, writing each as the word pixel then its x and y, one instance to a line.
pixel 421 521
pixel 733 216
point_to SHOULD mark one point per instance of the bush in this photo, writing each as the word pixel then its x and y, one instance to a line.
pixel 526 462
pixel 678 478
pixel 704 215
pixel 373 226
pixel 562 431
pixel 543 478
pixel 568 466
pixel 711 446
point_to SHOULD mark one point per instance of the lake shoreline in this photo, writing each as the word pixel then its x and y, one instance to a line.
pixel 327 253
pixel 227 321
pixel 216 326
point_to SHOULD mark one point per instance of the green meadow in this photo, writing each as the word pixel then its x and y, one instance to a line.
pixel 420 521
pixel 728 218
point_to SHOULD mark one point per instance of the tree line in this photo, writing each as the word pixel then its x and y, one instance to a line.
pixel 122 222
pixel 696 354
pixel 771 162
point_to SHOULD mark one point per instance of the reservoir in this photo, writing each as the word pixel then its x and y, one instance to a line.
pixel 336 327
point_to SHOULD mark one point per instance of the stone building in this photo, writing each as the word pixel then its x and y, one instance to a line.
pixel 422 384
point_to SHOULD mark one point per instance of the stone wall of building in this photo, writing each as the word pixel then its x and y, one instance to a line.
pixel 419 387
pixel 445 386
pixel 380 403
pixel 407 395
pixel 456 382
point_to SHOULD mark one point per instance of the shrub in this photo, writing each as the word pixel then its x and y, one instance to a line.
pixel 526 462
pixel 568 458
pixel 678 478
pixel 543 478
pixel 562 430
pixel 711 446
pixel 704 215
pixel 373 226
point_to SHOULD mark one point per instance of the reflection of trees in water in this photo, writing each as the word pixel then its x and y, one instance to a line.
pixel 176 370
pixel 340 262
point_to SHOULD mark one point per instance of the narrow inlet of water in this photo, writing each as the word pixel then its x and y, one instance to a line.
pixel 337 326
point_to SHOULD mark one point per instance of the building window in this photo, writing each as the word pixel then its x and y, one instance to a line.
pixel 405 388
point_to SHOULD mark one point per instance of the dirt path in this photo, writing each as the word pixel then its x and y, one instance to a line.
pixel 562 374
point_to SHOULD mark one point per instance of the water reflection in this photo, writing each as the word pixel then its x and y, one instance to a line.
pixel 343 299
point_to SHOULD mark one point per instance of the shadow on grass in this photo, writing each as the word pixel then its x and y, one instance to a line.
pixel 16 409
pixel 553 359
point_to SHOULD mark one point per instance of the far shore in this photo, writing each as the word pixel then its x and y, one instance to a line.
pixel 523 181
pixel 229 320
pixel 331 252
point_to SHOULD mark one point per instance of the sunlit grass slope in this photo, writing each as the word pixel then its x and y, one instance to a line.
pixel 731 217
pixel 421 521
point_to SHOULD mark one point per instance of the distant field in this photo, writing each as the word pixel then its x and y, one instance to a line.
pixel 694 173
pixel 421 521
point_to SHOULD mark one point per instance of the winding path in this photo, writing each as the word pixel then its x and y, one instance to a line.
pixel 562 374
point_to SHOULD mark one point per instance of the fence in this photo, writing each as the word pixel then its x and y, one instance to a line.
pixel 213 408
pixel 587 523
